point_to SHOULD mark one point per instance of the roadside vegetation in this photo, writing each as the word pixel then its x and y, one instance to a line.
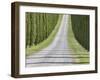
pixel 41 29
pixel 80 27
pixel 78 49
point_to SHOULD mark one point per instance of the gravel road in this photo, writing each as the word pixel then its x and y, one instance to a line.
pixel 57 53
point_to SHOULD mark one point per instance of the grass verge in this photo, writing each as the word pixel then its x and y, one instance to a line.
pixel 77 49
pixel 46 42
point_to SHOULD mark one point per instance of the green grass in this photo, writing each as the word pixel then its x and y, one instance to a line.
pixel 75 46
pixel 46 42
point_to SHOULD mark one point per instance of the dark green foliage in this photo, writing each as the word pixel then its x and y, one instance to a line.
pixel 80 26
pixel 39 26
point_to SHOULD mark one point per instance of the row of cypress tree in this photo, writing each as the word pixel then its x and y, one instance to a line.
pixel 80 27
pixel 39 26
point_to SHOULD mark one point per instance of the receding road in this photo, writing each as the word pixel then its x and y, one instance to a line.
pixel 57 53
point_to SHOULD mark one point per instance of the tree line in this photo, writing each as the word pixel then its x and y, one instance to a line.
pixel 80 27
pixel 39 26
